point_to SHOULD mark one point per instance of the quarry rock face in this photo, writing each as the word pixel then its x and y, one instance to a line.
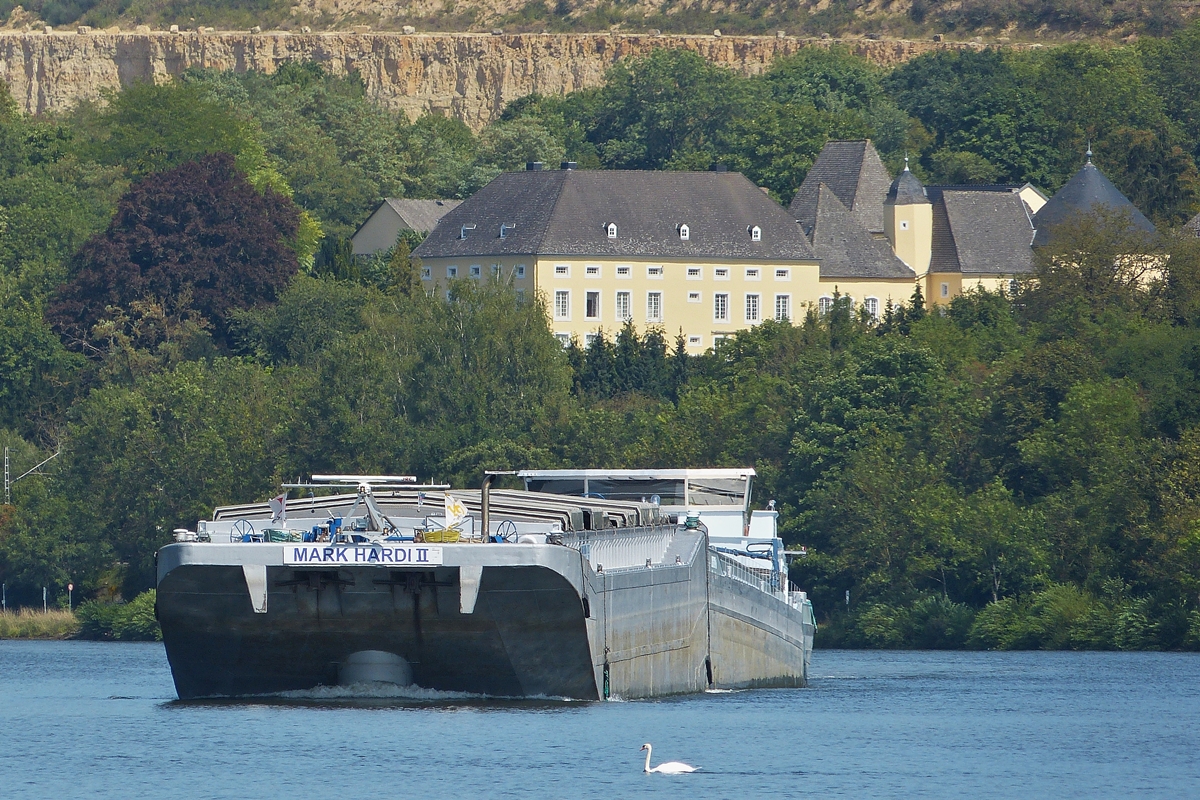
pixel 468 76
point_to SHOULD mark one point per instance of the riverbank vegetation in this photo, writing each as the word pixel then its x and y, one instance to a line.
pixel 1020 470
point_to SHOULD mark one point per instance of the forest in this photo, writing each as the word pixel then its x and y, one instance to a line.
pixel 182 324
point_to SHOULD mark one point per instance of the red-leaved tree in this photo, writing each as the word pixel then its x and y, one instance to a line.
pixel 191 244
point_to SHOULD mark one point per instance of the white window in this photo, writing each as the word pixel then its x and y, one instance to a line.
pixel 720 307
pixel 903 224
pixel 497 270
pixel 695 341
pixel 426 273
pixel 694 297
pixel 721 274
pixel 783 307
pixel 591 305
pixel 624 306
pixel 588 338
pixel 945 290
pixel 825 305
pixel 520 270
pixel 451 272
pixel 783 274
pixel 562 270
pixel 752 273
pixel 695 273
pixel 654 307
pixel 592 271
pixel 612 230
pixel 476 271
pixel 504 229
pixel 718 338
pixel 753 307
pixel 871 304
pixel 562 304
pixel 624 271
pixel 685 232
pixel 520 295
pixel 654 273
pixel 563 338
pixel 755 233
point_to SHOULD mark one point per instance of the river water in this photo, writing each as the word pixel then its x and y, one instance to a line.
pixel 100 720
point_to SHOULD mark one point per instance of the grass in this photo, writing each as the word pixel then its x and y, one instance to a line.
pixel 32 624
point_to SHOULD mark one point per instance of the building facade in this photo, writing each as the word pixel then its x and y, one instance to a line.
pixel 703 254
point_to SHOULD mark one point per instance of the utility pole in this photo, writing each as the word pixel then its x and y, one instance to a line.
pixel 44 608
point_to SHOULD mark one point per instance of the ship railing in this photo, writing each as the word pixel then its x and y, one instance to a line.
pixel 617 550
pixel 764 580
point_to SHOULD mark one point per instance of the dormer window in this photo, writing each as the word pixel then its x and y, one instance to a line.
pixel 612 230
pixel 755 233
pixel 462 234
pixel 505 230
pixel 685 233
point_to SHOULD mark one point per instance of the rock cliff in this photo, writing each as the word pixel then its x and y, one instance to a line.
pixel 470 76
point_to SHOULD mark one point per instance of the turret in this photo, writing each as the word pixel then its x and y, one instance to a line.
pixel 908 221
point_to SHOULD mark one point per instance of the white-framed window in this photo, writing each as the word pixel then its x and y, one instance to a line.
pixel 562 304
pixel 685 233
pixel 624 306
pixel 694 297
pixel 755 233
pixel 945 290
pixel 520 295
pixel 497 270
pixel 871 304
pixel 563 338
pixel 612 230
pixel 753 308
pixel 654 273
pixel 783 307
pixel 695 341
pixel 426 273
pixel 721 273
pixel 476 271
pixel 520 270
pixel 654 311
pixel 588 338
pixel 695 273
pixel 562 270
pixel 719 337
pixel 825 305
pixel 753 273
pixel 720 307
pixel 451 272
pixel 591 271
pixel 783 274
pixel 591 305
pixel 624 271
pixel 903 224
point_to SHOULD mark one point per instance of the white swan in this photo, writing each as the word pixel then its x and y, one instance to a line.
pixel 669 768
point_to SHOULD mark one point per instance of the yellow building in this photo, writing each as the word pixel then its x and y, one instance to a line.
pixel 702 253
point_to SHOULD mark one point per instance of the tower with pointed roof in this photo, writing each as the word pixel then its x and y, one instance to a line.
pixel 908 221
pixel 1088 191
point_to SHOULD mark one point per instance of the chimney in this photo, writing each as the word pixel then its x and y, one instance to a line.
pixel 717 167
pixel 533 166
pixel 569 165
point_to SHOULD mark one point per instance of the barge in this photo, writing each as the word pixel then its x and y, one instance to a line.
pixel 587 584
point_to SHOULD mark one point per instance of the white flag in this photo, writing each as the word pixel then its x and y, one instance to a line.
pixel 456 512
pixel 278 508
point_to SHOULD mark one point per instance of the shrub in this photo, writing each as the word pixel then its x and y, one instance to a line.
pixel 128 622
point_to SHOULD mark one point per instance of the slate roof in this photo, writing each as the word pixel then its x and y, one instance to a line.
pixel 906 190
pixel 421 215
pixel 855 173
pixel 566 213
pixel 845 248
pixel 980 230
pixel 1087 190
pixel 1193 225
